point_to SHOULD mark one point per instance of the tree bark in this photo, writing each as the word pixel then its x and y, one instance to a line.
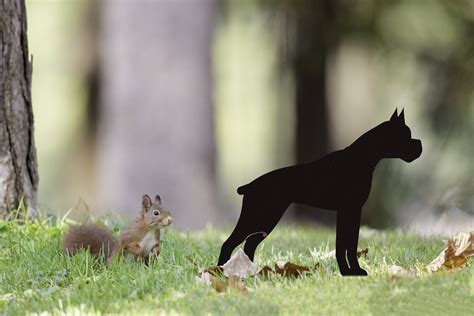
pixel 18 164
pixel 156 131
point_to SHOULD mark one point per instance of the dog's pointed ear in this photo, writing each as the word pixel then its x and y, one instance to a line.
pixel 401 117
pixel 394 116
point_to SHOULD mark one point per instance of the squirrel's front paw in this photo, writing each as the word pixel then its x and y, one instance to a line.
pixel 155 252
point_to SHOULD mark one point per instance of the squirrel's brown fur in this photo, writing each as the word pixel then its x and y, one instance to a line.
pixel 140 239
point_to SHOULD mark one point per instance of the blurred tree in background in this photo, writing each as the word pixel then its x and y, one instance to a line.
pixel 156 131
pixel 194 98
pixel 393 36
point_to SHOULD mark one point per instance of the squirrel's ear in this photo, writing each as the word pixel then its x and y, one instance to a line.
pixel 146 203
pixel 157 199
pixel 401 117
pixel 394 116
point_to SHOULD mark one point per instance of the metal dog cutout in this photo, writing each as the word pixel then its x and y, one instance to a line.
pixel 339 181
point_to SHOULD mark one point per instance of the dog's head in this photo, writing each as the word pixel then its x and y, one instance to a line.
pixel 395 139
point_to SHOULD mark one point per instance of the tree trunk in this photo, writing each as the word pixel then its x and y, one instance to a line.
pixel 156 121
pixel 18 164
pixel 310 78
pixel 313 32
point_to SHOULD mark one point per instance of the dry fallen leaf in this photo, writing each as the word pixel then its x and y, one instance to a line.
pixel 222 285
pixel 289 269
pixel 286 269
pixel 455 262
pixel 266 271
pixel 455 254
pixel 332 254
pixel 235 283
pixel 395 271
pixel 204 277
pixel 464 244
pixel 213 270
pixel 218 284
pixel 240 265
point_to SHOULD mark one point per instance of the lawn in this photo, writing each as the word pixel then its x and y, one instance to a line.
pixel 36 277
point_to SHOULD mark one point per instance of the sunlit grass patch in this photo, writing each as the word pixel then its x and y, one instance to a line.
pixel 36 276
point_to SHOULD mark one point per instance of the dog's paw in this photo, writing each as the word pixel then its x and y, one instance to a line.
pixel 359 272
pixel 354 272
pixel 345 272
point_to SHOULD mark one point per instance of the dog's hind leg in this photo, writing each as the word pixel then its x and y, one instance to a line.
pixel 252 243
pixel 235 239
pixel 241 231
pixel 271 215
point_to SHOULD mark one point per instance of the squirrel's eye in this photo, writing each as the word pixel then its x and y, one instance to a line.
pixel 156 213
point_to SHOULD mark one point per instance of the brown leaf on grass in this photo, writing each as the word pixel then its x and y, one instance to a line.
pixel 266 271
pixel 213 270
pixel 235 283
pixel 232 283
pixel 455 254
pixel 218 284
pixel 396 272
pixel 240 265
pixel 361 252
pixel 285 269
pixel 204 277
pixel 289 269
pixel 332 254
pixel 229 276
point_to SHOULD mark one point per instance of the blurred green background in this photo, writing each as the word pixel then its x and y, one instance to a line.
pixel 193 98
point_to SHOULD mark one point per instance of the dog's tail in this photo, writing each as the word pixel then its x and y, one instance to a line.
pixel 242 190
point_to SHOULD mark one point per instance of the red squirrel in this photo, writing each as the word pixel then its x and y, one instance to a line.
pixel 140 239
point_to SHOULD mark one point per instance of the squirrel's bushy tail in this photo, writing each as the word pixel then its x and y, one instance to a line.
pixel 97 239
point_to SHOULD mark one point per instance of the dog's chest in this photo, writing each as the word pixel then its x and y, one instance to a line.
pixel 148 242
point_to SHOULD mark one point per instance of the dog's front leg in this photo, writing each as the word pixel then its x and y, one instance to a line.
pixel 353 232
pixel 342 243
pixel 347 238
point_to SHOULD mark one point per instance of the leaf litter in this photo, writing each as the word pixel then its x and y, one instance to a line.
pixel 456 253
pixel 229 277
pixel 239 265
pixel 454 256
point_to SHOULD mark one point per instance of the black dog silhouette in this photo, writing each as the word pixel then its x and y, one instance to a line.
pixel 339 181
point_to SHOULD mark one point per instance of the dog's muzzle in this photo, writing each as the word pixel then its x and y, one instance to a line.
pixel 413 151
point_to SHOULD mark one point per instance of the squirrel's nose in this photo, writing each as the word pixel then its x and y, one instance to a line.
pixel 169 220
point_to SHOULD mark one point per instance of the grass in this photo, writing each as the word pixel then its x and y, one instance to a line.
pixel 36 277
